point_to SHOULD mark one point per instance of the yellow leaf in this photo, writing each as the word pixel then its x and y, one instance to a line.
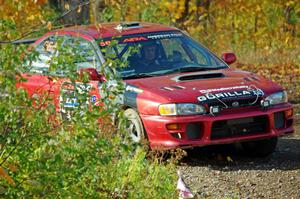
pixel 287 40
pixel 67 6
pixel 31 18
pixel 146 2
pixel 229 159
pixel 79 9
pixel 49 25
pixel 258 8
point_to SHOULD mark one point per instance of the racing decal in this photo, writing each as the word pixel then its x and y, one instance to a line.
pixel 130 95
pixel 134 89
pixel 105 43
pixel 80 87
pixel 50 46
pixel 126 40
pixel 138 38
pixel 245 93
pixel 83 88
pixel 134 39
pixel 69 98
pixel 164 36
pixel 94 98
pixel 224 89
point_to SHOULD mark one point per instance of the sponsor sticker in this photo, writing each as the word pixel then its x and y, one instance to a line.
pixel 69 98
pixel 163 36
pixel 134 39
pixel 105 43
pixel 94 98
pixel 141 38
pixel 134 89
pixel 224 89
pixel 229 94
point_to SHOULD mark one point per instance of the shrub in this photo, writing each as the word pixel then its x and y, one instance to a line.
pixel 45 156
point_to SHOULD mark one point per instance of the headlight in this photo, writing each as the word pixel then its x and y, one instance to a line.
pixel 277 98
pixel 181 109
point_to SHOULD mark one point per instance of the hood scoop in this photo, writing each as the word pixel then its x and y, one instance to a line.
pixel 198 77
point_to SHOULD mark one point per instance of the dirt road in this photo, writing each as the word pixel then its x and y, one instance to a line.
pixel 220 172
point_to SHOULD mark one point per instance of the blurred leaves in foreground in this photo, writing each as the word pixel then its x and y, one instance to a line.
pixel 85 156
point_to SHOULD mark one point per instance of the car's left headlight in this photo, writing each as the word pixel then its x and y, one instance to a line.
pixel 277 98
pixel 181 109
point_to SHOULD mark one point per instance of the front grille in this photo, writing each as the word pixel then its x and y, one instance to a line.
pixel 239 127
pixel 231 102
pixel 193 131
pixel 279 120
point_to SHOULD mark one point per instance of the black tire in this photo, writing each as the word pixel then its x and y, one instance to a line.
pixel 260 148
pixel 135 126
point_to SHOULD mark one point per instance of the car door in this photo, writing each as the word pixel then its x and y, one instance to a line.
pixel 44 83
pixel 38 84
pixel 86 58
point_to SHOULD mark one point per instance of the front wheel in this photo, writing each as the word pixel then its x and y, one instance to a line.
pixel 260 148
pixel 134 126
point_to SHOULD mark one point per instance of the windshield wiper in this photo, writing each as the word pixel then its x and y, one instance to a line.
pixel 138 75
pixel 193 69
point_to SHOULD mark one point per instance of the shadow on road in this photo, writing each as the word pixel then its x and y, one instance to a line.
pixel 227 158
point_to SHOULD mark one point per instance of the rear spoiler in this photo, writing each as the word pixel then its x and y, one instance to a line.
pixel 24 41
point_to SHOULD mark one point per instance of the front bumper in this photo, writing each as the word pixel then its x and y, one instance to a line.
pixel 235 125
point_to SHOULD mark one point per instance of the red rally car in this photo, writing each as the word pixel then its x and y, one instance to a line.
pixel 177 92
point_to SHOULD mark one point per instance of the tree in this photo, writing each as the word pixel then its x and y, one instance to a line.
pixel 98 6
pixel 77 12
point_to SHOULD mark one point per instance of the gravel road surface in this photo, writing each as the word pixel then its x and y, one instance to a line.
pixel 221 172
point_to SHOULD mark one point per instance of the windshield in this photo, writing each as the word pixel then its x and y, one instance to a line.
pixel 160 53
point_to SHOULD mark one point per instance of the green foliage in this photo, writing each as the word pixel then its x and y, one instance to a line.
pixel 45 156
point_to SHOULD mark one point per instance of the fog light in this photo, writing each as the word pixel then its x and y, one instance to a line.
pixel 289 113
pixel 173 126
pixel 214 110
pixel 265 103
pixel 176 135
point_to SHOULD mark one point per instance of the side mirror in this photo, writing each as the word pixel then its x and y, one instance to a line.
pixel 93 74
pixel 229 58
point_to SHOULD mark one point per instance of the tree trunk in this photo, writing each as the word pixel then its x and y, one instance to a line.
pixel 98 7
pixel 180 21
pixel 203 8
pixel 290 26
pixel 79 14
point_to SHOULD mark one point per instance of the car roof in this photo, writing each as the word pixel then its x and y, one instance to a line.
pixel 106 30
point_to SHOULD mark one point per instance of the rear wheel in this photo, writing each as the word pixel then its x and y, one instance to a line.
pixel 134 126
pixel 260 148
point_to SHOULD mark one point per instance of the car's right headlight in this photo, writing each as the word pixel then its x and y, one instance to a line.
pixel 277 98
pixel 181 109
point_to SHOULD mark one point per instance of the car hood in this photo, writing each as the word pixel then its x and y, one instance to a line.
pixel 189 87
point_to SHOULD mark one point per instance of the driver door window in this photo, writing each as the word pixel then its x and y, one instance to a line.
pixel 83 52
pixel 46 51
